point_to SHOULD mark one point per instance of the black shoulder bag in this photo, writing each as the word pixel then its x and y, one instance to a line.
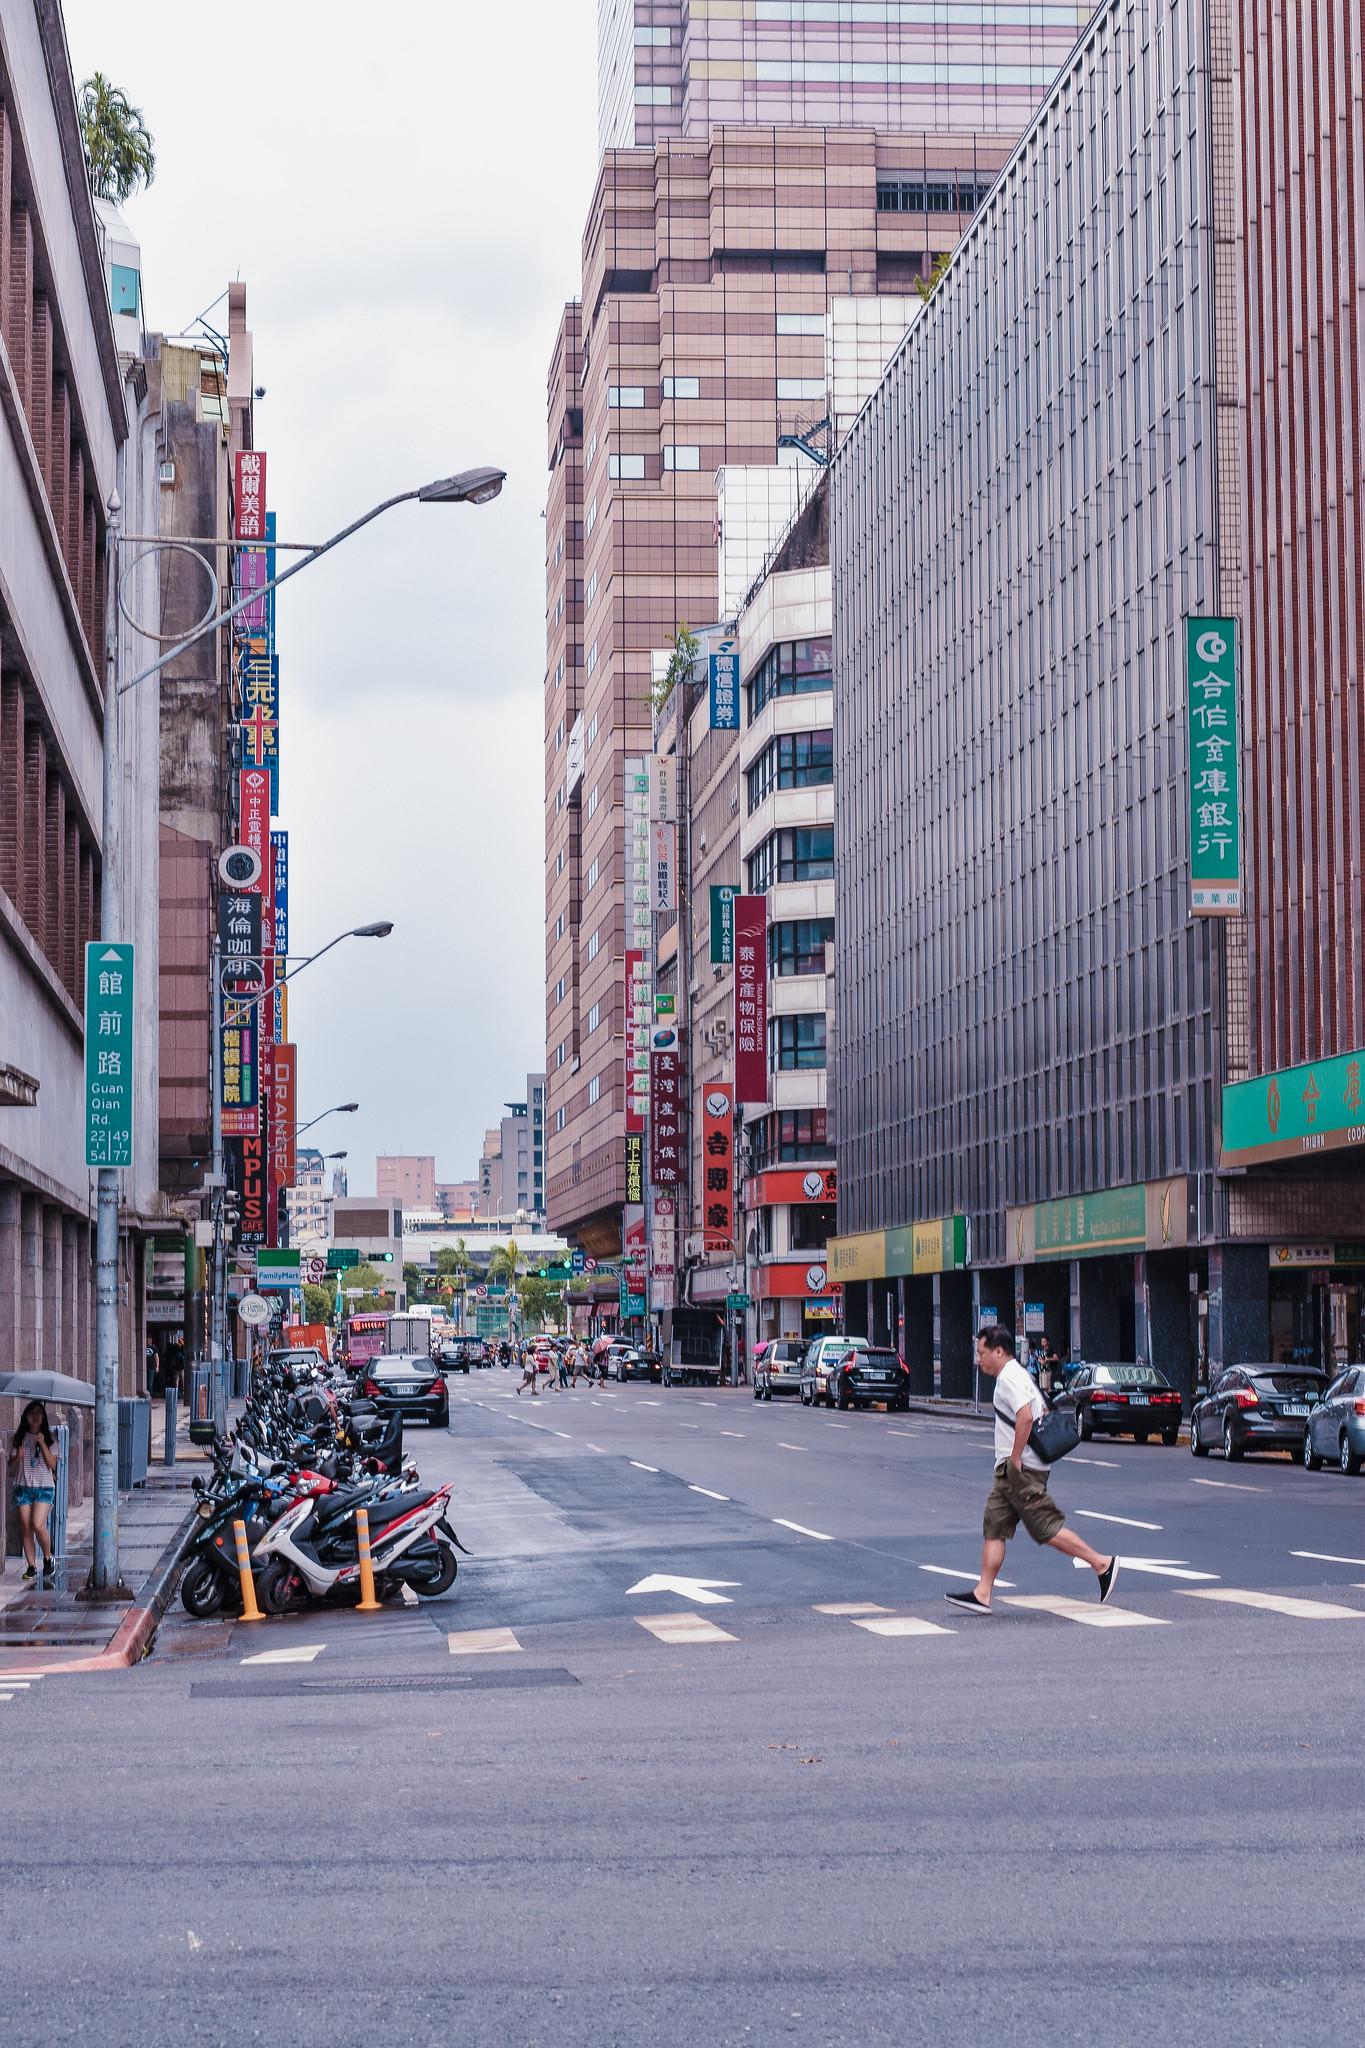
pixel 1052 1436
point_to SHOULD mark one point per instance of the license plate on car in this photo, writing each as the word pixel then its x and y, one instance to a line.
pixel 1295 1408
pixel 877 1375
pixel 1137 1400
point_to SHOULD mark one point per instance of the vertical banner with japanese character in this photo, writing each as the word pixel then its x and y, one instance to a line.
pixel 751 999
pixel 718 1165
pixel 665 1106
pixel 1215 812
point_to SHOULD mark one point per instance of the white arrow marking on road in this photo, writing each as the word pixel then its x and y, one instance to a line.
pixel 686 1589
pixel 296 1653
pixel 1124 1521
pixel 1162 1567
pixel 1326 1557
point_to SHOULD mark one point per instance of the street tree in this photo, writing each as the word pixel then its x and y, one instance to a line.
pixel 504 1265
pixel 318 1303
pixel 118 145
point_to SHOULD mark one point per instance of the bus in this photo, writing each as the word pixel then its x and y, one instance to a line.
pixel 366 1336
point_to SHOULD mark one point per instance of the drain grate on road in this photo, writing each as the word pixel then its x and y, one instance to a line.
pixel 436 1681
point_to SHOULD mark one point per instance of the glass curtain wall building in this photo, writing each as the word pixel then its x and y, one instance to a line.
pixel 1023 519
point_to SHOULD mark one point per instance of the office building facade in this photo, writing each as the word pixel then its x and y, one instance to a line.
pixel 1076 455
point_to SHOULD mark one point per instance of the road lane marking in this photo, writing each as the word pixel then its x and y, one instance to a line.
pixel 944 1571
pixel 481 1642
pixel 646 1404
pixel 684 1628
pixel 900 1432
pixel 1326 1557
pixel 802 1530
pixel 1279 1603
pixel 1110 1464
pixel 597 1447
pixel 740 1432
pixel 1124 1521
pixel 707 1491
pixel 643 1468
pixel 791 1447
pixel 904 1625
pixel 838 1425
pixel 1228 1485
pixel 564 1433
pixel 1078 1610
pixel 689 1425
pixel 295 1653
pixel 851 1607
pixel 706 1404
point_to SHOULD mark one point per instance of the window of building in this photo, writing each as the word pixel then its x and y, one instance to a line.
pixel 811 1225
pixel 559 862
pixel 792 760
pixel 800 387
pixel 561 989
pixel 798 947
pixel 592 801
pixel 800 323
pixel 590 519
pixel 592 450
pixel 787 1137
pixel 625 394
pixel 653 96
pixel 594 945
pixel 678 457
pixel 803 853
pixel 559 925
pixel 796 1043
pixel 627 468
pixel 682 387
pixel 591 733
pixel 790 669
pixel 657 37
pixel 592 875
pixel 590 588
pixel 938 195
pixel 590 664
pixel 594 1016
pixel 595 1088
pixel 561 1052
pixel 560 1119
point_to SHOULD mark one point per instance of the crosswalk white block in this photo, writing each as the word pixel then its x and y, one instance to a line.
pixel 481 1642
pixel 684 1628
pixel 1277 1603
pixel 903 1625
pixel 1092 1615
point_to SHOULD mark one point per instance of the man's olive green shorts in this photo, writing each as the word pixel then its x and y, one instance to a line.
pixel 1017 1497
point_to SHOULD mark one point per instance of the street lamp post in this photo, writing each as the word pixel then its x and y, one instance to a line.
pixel 467 487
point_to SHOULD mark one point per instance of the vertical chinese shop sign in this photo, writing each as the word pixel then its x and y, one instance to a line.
pixel 639 1016
pixel 665 1106
pixel 1215 810
pixel 718 1165
pixel 751 998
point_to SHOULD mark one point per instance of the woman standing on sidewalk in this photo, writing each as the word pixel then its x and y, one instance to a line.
pixel 35 1455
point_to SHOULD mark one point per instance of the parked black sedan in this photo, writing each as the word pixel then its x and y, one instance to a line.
pixel 410 1387
pixel 1255 1408
pixel 1122 1400
pixel 857 1380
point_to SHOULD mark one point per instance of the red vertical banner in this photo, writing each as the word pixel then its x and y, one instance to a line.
pixel 665 1106
pixel 751 999
pixel 248 491
pixel 718 1166
pixel 282 1113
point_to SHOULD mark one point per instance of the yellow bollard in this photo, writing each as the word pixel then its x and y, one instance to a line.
pixel 250 1611
pixel 367 1604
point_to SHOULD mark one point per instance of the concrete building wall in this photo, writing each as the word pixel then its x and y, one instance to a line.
pixel 409 1178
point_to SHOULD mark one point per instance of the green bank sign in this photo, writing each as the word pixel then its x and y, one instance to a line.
pixel 1299 1111
pixel 1151 1216
pixel 1215 809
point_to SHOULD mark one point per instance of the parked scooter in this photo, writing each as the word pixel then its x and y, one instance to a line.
pixel 312 1552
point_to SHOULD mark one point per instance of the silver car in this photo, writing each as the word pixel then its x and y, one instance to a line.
pixel 1336 1427
pixel 777 1367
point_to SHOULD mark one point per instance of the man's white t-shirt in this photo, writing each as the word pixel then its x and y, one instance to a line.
pixel 1015 1390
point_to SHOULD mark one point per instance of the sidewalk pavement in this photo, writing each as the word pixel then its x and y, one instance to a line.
pixel 45 1630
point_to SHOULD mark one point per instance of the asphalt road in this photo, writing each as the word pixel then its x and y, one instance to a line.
pixel 563 1807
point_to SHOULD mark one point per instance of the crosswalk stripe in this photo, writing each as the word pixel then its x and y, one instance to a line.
pixel 1326 1557
pixel 904 1625
pixel 946 1571
pixel 6 1695
pixel 1159 1567
pixel 294 1653
pixel 684 1628
pixel 851 1607
pixel 1079 1610
pixel 1278 1603
pixel 481 1642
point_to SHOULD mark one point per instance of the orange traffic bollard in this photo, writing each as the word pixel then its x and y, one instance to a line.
pixel 250 1611
pixel 367 1604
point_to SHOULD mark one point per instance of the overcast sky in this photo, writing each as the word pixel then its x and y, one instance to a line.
pixel 407 216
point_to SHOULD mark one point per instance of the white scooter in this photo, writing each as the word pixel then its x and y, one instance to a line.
pixel 312 1552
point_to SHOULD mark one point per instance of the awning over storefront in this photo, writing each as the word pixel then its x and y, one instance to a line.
pixel 791 1184
pixel 1152 1217
pixel 938 1245
pixel 1296 1112
pixel 793 1280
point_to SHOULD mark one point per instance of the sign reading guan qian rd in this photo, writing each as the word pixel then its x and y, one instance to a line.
pixel 109 1064
pixel 1215 813
pixel 1296 1112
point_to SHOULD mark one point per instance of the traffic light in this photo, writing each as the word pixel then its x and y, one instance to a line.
pixel 376 1258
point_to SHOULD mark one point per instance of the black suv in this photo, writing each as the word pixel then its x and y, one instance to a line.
pixel 862 1377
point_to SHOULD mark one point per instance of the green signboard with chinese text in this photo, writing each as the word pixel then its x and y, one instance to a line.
pixel 1296 1112
pixel 1151 1216
pixel 723 924
pixel 1215 811
pixel 109 1065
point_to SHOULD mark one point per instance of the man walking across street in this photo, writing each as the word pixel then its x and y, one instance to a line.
pixel 1020 1491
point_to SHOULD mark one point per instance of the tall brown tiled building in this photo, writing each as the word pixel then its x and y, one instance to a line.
pixel 709 267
